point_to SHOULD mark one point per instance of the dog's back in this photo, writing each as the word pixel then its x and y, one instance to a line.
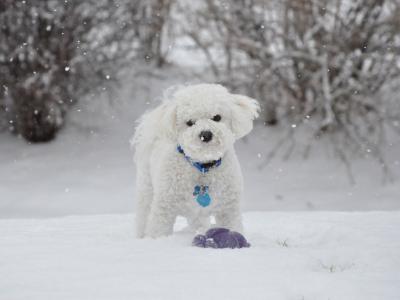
pixel 146 134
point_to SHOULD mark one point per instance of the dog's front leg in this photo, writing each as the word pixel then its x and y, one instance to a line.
pixel 230 217
pixel 198 224
pixel 162 217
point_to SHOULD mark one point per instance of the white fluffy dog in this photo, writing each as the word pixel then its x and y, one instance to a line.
pixel 186 163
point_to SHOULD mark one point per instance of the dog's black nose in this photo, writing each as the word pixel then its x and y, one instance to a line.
pixel 205 136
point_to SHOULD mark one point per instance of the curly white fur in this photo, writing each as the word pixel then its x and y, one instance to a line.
pixel 165 179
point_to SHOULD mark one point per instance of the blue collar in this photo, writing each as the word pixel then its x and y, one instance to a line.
pixel 202 167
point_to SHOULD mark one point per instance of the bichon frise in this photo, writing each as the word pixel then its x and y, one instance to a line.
pixel 186 163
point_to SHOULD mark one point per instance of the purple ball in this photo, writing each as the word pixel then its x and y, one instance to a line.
pixel 211 233
pixel 220 238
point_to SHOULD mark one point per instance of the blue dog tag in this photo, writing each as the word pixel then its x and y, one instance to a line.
pixel 202 196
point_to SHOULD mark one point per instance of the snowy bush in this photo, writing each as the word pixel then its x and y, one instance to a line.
pixel 53 53
pixel 326 64
pixel 150 19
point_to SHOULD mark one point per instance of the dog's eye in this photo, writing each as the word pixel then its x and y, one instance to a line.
pixel 217 118
pixel 190 123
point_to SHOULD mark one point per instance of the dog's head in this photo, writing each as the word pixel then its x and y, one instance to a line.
pixel 205 119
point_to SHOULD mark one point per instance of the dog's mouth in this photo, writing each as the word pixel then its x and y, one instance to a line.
pixel 210 164
pixel 209 155
pixel 207 163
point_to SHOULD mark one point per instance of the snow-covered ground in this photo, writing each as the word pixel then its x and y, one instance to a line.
pixel 294 255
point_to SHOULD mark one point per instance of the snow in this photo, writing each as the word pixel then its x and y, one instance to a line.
pixel 67 207
pixel 294 255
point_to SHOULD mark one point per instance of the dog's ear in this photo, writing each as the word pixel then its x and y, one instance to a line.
pixel 167 119
pixel 244 111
